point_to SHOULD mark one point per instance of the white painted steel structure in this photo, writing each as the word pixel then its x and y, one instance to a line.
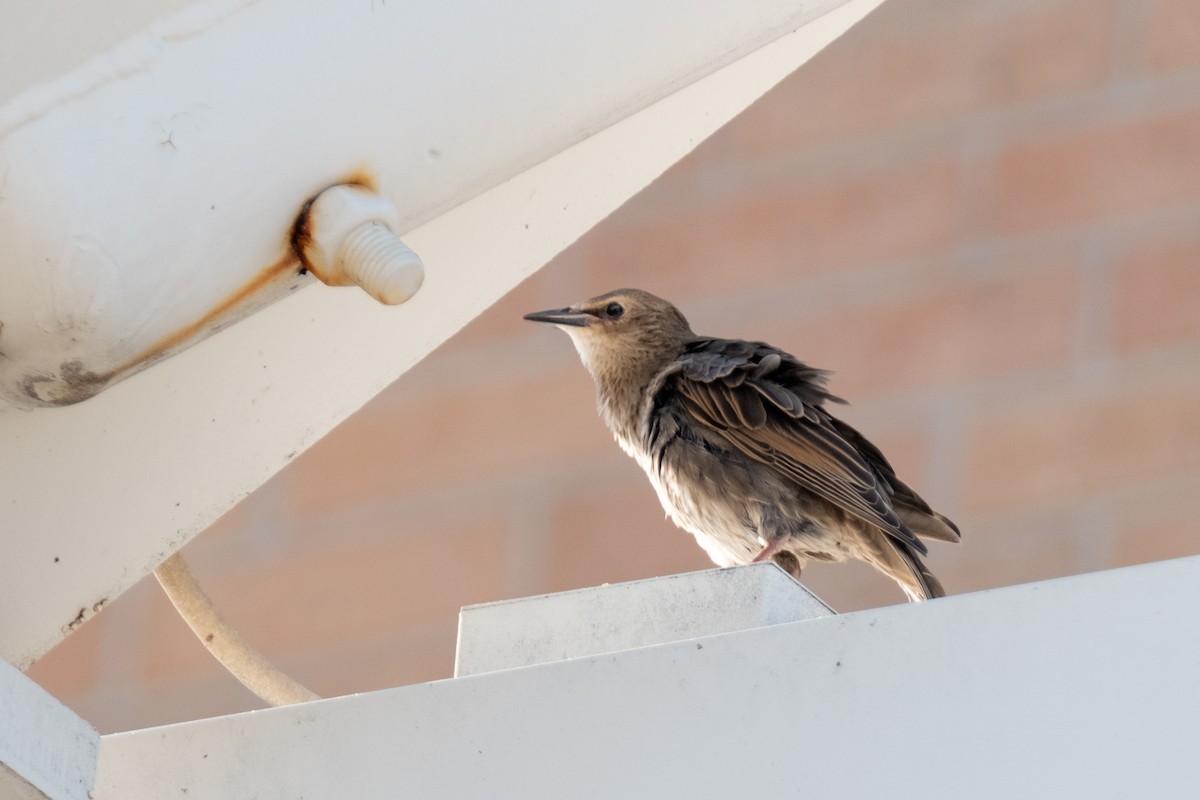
pixel 45 749
pixel 150 192
pixel 1083 687
pixel 537 630
pixel 96 494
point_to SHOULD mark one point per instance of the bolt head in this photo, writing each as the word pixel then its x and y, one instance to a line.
pixel 333 215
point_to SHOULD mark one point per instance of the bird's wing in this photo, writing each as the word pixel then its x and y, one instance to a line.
pixel 910 506
pixel 770 406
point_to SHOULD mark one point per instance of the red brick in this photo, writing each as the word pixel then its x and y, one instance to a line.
pixel 1104 171
pixel 503 319
pixel 1048 48
pixel 1007 550
pixel 1158 295
pixel 396 658
pixel 343 589
pixel 476 431
pixel 1159 528
pixel 1016 323
pixel 891 72
pixel 617 534
pixel 1068 449
pixel 862 84
pixel 1172 40
pixel 779 234
pixel 71 668
pixel 147 704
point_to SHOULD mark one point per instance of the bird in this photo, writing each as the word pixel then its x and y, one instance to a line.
pixel 741 448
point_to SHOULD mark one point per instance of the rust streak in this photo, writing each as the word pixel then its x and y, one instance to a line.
pixel 173 340
pixel 301 229
pixel 358 177
pixel 86 384
pixel 302 235
pixel 361 177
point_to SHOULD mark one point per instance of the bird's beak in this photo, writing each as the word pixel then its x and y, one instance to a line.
pixel 561 316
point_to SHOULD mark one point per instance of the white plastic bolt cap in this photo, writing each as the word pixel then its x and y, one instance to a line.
pixel 351 240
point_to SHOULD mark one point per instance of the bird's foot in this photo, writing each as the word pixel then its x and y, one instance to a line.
pixel 773 546
pixel 785 559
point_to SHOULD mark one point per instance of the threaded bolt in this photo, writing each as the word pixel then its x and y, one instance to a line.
pixel 349 238
pixel 385 267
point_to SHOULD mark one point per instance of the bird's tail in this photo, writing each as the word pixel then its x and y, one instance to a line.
pixel 902 564
pixel 924 585
pixel 927 523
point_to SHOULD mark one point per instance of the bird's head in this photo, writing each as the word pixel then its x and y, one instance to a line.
pixel 621 334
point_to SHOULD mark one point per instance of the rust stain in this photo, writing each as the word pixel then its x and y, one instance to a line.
pixel 173 340
pixel 360 177
pixel 302 230
pixel 74 383
pixel 302 235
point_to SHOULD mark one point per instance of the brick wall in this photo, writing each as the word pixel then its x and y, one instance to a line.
pixel 985 217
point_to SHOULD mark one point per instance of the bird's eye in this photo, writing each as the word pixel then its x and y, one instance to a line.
pixel 613 310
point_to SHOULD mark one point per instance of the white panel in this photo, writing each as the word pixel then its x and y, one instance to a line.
pixel 1085 687
pixel 585 622
pixel 95 495
pixel 45 749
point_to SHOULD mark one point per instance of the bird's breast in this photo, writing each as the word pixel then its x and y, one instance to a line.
pixel 703 494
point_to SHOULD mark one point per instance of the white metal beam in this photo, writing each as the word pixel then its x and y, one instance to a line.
pixel 1081 687
pixel 79 31
pixel 95 495
pixel 149 193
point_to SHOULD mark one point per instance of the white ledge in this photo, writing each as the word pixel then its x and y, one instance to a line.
pixel 1080 687
pixel 586 622
pixel 46 751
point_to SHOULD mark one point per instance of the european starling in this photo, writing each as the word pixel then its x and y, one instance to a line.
pixel 737 441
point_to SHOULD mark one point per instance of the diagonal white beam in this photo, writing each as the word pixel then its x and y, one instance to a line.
pixel 95 495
